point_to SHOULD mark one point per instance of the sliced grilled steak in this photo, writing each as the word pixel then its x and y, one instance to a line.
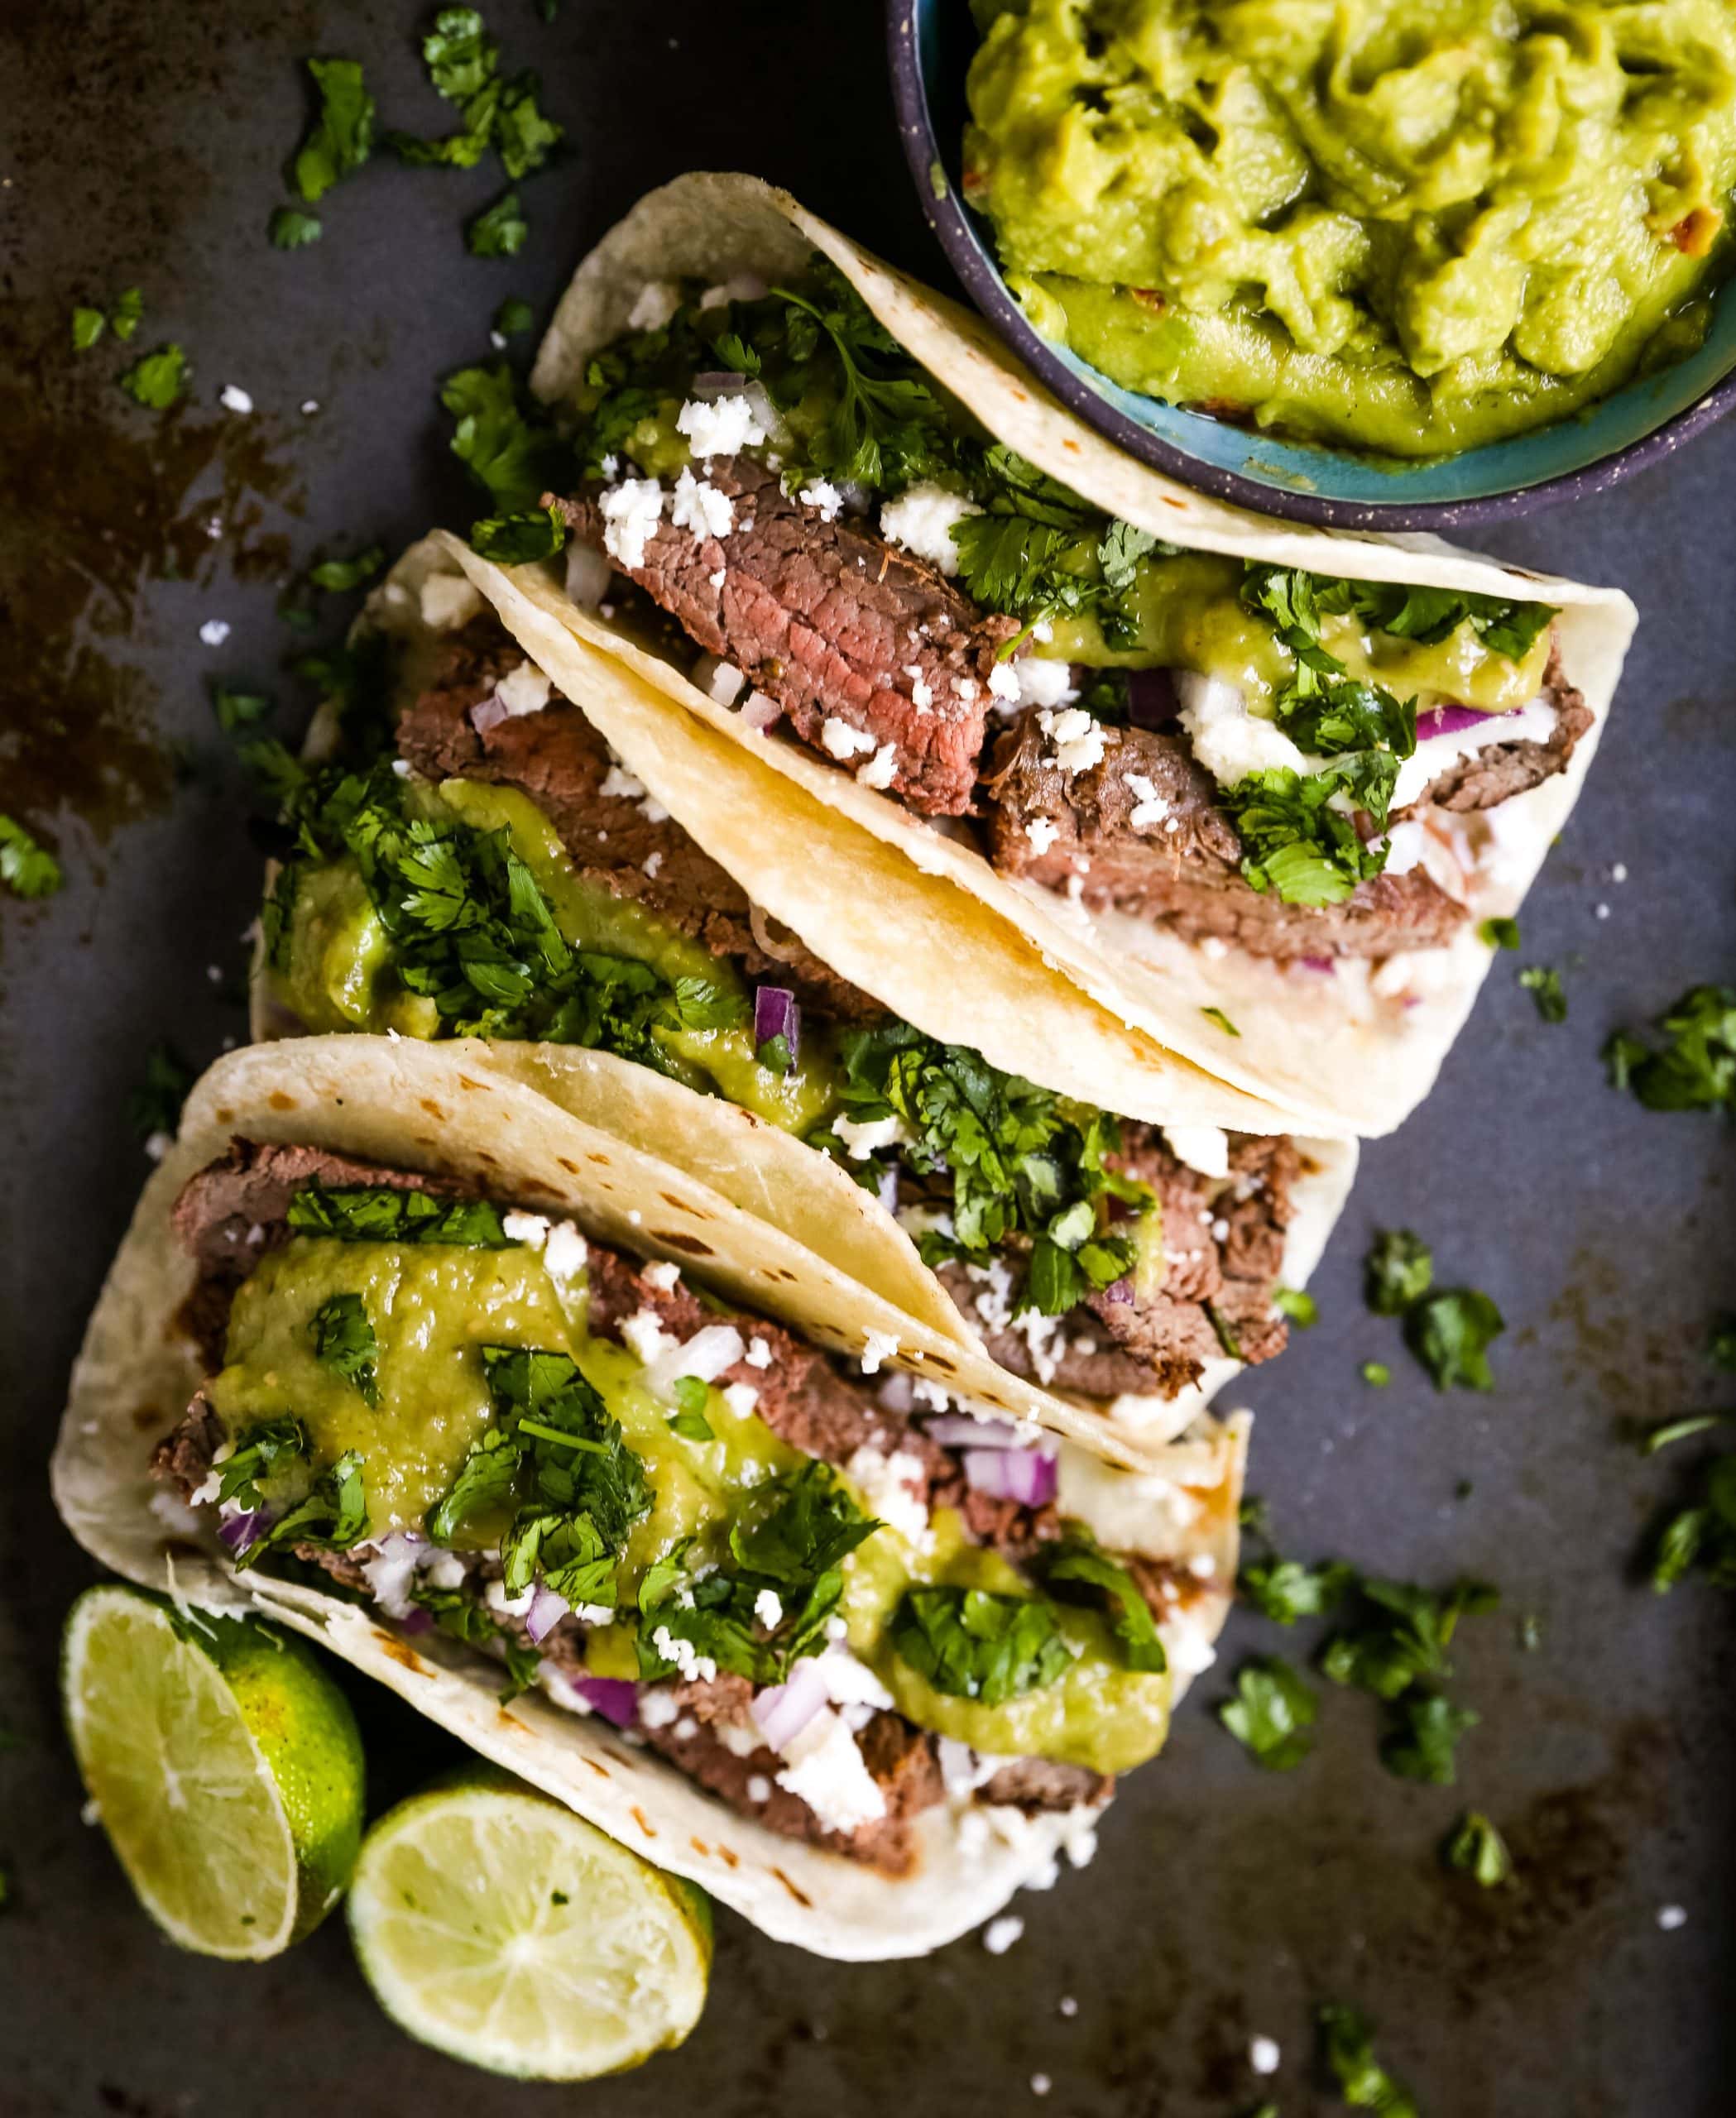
pixel 836 625
pixel 1490 777
pixel 1223 1245
pixel 619 841
pixel 1040 1783
pixel 1190 879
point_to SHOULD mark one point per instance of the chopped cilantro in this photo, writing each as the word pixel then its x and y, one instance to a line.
pixel 340 137
pixel 1226 1330
pixel 1296 841
pixel 1022 1160
pixel 1217 1016
pixel 1475 1848
pixel 1543 982
pixel 456 1614
pixel 338 577
pixel 1271 1714
pixel 774 1055
pixel 1721 1345
pixel 500 231
pixel 290 229
pixel 536 533
pixel 334 1516
pixel 27 868
pixel 971 1643
pixel 1673 1431
pixel 1347 2051
pixel 1398 1270
pixel 260 1452
pixel 158 380
pixel 1450 1332
pixel 691 1395
pixel 1422 1738
pixel 1702 1535
pixel 1376 1373
pixel 459 55
pixel 464 67
pixel 154 1106
pixel 1296 602
pixel 525 135
pixel 88 326
pixel 1397 1635
pixel 1077 1571
pixel 514 316
pixel 344 1341
pixel 125 317
pixel 378 1213
pixel 236 709
pixel 1499 933
pixel 1285 1590
pixel 1301 1309
pixel 515 455
pixel 1696 1068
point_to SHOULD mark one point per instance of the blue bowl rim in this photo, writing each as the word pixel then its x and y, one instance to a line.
pixel 946 216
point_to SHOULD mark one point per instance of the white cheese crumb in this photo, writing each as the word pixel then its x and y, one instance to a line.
pixel 1041 682
pixel 214 631
pixel 529 1229
pixel 695 1667
pixel 656 302
pixel 158 1144
pixel 1203 1147
pixel 839 740
pixel 1041 2084
pixel 697 504
pixel 1670 1917
pixel 566 1254
pixel 881 770
pixel 663 1274
pixel 1149 807
pixel 877 1346
pixel 741 1397
pixel 1004 687
pixel 657 1707
pixel 645 1337
pixel 723 427
pixel 1619 872
pixel 1603 911
pixel 1066 2005
pixel 1228 740
pixel 235 398
pixel 309 405
pixel 759 1353
pixel 759 1788
pixel 999 1936
pixel 922 692
pixel 631 514
pixel 523 690
pixel 883 1479
pixel 1042 833
pixel 769 1609
pixel 823 495
pixel 724 684
pixel 921 521
pixel 1264 2054
pixel 1077 736
pixel 827 1770
pixel 651 864
pixel 867 1136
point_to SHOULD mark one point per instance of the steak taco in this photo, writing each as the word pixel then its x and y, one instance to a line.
pixel 1254 788
pixel 468 852
pixel 510 1414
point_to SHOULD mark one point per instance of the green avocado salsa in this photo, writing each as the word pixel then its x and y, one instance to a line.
pixel 469 1403
pixel 1408 226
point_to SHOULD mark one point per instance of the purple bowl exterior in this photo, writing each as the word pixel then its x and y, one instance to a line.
pixel 946 216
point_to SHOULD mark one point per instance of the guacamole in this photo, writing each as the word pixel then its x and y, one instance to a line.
pixel 1407 226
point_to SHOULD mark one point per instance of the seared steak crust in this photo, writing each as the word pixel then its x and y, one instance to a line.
pixel 617 840
pixel 834 624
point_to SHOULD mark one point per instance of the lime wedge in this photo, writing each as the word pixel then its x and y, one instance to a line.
pixel 495 1925
pixel 224 1763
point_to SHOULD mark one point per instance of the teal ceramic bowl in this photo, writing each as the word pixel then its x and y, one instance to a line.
pixel 930 45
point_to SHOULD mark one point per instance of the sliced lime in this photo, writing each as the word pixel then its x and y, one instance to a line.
pixel 495 1925
pixel 224 1763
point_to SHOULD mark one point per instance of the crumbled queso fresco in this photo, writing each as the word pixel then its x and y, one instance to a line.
pixel 723 427
pixel 697 506
pixel 1077 736
pixel 921 521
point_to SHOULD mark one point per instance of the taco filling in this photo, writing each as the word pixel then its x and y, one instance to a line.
pixel 494 871
pixel 1245 755
pixel 832 1604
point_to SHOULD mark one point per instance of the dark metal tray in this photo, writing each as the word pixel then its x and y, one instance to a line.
pixel 142 145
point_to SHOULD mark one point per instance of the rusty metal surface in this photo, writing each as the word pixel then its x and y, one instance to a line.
pixel 143 145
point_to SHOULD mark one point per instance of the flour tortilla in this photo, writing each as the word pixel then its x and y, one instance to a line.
pixel 968 984
pixel 1353 1053
pixel 428 1107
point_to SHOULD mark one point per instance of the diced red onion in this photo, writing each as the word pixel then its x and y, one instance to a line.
pixel 776 1014
pixel 711 1349
pixel 898 1392
pixel 1327 966
pixel 717 382
pixel 886 1190
pixel 1119 1291
pixel 1151 697
pixel 1453 721
pixel 547 1610
pixel 241 1529
pixel 616 1699
pixel 783 1711
pixel 588 575
pixel 415 1619
pixel 489 713
pixel 1024 1475
pixel 759 713
pixel 959 1430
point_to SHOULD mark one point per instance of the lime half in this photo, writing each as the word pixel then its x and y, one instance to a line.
pixel 495 1925
pixel 225 1766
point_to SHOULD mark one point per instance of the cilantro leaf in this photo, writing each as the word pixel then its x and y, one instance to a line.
pixel 1451 1332
pixel 88 326
pixel 158 380
pixel 334 1516
pixel 500 231
pixel 1217 1016
pixel 341 137
pixel 1296 602
pixel 1702 1535
pixel 1398 1270
pixel 515 457
pixel 1683 1429
pixel 339 576
pixel 1375 1373
pixel 1285 1590
pixel 514 317
pixel 1475 1848
pixel 1420 1744
pixel 1078 1565
pixel 125 317
pixel 1301 1309
pixel 1696 1068
pixel 365 1212
pixel 536 533
pixel 1721 1345
pixel 290 229
pixel 1499 933
pixel 457 54
pixel 1272 1714
pixel 344 1342
pixel 260 1452
pixel 26 868
pixel 1295 842
pixel 236 709
pixel 1348 2052
pixel 971 1643
pixel 525 135
pixel 484 1484
pixel 1543 982
pixel 1398 1634
pixel 799 1528
pixel 459 1616
pixel 154 1106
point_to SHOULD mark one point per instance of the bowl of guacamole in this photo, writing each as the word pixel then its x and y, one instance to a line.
pixel 1374 263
